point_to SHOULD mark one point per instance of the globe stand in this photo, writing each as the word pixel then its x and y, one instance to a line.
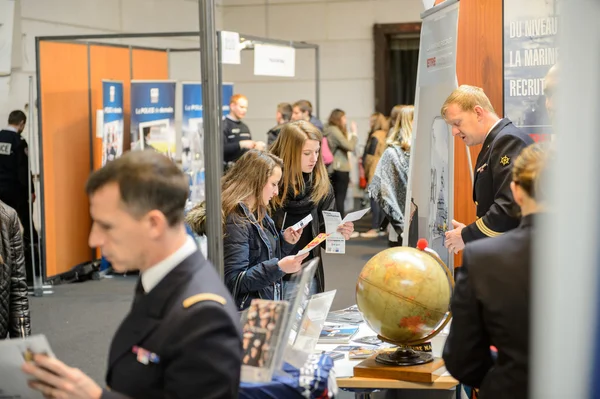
pixel 404 356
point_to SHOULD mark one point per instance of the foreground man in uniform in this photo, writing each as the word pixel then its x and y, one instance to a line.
pixel 473 119
pixel 181 338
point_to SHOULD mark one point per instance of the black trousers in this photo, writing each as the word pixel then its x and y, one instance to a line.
pixel 340 182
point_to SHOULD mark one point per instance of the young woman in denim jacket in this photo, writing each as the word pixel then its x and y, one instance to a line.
pixel 254 249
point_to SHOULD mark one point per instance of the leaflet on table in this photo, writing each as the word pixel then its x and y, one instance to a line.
pixel 304 222
pixel 316 241
pixel 13 382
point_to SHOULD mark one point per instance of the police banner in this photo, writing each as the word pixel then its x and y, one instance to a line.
pixel 153 116
pixel 192 137
pixel 431 171
pixel 530 50
pixel 112 127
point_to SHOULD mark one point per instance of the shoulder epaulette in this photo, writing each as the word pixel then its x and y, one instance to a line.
pixel 194 299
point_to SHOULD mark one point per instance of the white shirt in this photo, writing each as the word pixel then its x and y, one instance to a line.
pixel 11 128
pixel 492 128
pixel 154 275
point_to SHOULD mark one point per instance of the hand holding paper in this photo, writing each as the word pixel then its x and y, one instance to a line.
pixel 292 236
pixel 346 229
pixel 292 263
pixel 55 379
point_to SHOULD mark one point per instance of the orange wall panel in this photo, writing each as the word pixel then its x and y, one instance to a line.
pixel 479 63
pixel 108 63
pixel 150 64
pixel 66 153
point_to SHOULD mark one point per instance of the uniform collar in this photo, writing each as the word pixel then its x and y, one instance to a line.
pixel 496 128
pixel 152 276
pixel 11 128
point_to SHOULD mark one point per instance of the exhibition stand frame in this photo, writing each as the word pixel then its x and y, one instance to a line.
pixel 69 72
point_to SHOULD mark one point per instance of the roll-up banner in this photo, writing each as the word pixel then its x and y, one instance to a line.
pixel 153 116
pixel 530 50
pixel 192 137
pixel 112 127
pixel 431 171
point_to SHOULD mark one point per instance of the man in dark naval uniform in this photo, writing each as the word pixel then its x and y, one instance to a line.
pixel 473 119
pixel 181 338
pixel 492 295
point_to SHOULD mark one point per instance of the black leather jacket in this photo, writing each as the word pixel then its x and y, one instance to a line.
pixel 14 305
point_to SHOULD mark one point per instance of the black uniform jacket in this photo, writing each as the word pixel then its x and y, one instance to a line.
pixel 493 174
pixel 180 340
pixel 14 168
pixel 490 306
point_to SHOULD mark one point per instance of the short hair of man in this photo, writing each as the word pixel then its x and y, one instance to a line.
pixel 305 106
pixel 234 99
pixel 467 98
pixel 285 109
pixel 147 181
pixel 17 117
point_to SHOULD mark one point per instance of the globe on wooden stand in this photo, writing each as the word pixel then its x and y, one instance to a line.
pixel 404 295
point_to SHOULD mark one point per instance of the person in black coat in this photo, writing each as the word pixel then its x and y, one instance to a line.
pixel 14 305
pixel 181 338
pixel 491 301
pixel 473 119
pixel 283 116
pixel 254 249
pixel 305 189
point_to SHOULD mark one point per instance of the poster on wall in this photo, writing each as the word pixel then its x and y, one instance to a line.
pixel 112 124
pixel 530 50
pixel 192 136
pixel 431 171
pixel 153 116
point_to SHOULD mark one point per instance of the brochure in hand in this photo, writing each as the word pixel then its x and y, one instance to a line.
pixel 13 353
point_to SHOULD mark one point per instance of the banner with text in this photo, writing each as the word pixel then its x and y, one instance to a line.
pixel 112 126
pixel 153 116
pixel 431 171
pixel 530 50
pixel 192 136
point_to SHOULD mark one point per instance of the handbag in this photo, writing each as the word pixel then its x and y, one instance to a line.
pixel 236 291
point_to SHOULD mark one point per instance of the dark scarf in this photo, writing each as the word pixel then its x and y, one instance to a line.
pixel 300 204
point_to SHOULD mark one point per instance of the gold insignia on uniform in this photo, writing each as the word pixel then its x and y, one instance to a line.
pixel 194 299
pixel 486 230
pixel 505 160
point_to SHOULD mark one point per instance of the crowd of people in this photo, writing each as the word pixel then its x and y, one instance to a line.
pixel 187 318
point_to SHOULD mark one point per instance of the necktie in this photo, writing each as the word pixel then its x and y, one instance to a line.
pixel 139 292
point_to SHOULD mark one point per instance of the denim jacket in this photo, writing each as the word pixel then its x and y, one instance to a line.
pixel 251 264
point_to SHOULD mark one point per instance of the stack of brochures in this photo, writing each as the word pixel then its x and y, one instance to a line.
pixel 349 315
pixel 337 334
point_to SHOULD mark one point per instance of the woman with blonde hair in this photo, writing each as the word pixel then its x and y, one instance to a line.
pixel 253 247
pixel 389 184
pixel 341 141
pixel 376 145
pixel 305 189
pixel 492 296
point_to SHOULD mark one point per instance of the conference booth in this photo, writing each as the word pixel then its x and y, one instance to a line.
pixel 97 93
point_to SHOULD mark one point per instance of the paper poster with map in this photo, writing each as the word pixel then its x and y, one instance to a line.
pixel 530 50
pixel 431 171
pixel 440 196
